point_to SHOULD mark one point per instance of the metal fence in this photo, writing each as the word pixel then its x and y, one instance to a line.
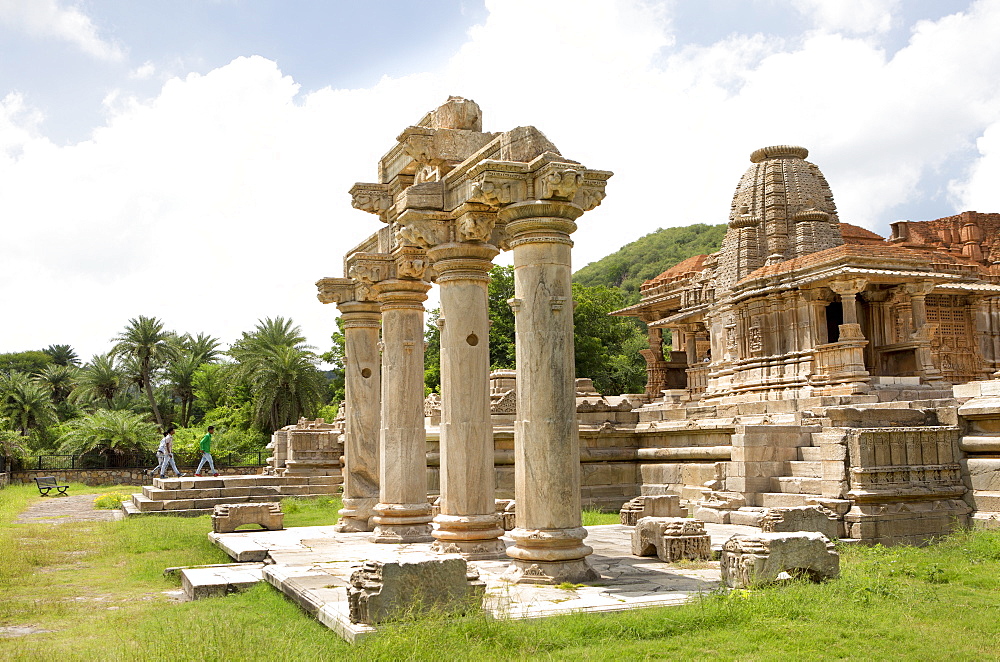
pixel 143 460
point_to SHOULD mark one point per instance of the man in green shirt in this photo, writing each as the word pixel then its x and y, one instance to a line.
pixel 206 453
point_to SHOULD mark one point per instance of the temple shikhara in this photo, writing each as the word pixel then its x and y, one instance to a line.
pixel 799 304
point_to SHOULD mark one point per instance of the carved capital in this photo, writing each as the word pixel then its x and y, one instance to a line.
pixel 366 269
pixel 558 181
pixel 422 228
pixel 848 286
pixel 411 262
pixel 495 191
pixel 336 290
pixel 475 226
pixel 919 288
pixel 372 198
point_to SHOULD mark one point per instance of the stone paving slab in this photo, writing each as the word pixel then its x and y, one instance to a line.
pixel 312 566
pixel 219 580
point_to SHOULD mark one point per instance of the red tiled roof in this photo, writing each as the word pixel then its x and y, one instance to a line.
pixel 853 234
pixel 693 264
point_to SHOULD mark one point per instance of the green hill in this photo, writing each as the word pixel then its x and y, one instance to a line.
pixel 650 256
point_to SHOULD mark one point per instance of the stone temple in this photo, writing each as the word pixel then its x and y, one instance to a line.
pixel 810 362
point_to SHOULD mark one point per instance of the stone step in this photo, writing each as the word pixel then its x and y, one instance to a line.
pixel 986 501
pixel 211 482
pixel 810 454
pixel 784 500
pixel 797 485
pixel 806 468
pixel 142 505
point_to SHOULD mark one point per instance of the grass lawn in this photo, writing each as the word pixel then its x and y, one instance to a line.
pixel 98 587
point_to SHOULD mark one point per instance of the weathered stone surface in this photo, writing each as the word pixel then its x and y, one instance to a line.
pixel 671 539
pixel 668 505
pixel 802 518
pixel 228 517
pixel 383 591
pixel 755 560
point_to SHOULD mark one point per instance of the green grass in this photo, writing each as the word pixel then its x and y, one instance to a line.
pixel 595 517
pixel 99 587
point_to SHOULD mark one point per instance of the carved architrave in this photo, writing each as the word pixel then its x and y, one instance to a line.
pixel 497 183
pixel 336 290
pixel 372 198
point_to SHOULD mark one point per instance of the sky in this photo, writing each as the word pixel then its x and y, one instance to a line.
pixel 191 160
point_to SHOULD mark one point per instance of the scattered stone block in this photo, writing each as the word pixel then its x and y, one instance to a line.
pixel 802 518
pixel 671 539
pixel 755 560
pixel 384 591
pixel 666 505
pixel 227 517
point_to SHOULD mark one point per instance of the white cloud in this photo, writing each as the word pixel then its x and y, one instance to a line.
pixel 223 199
pixel 49 18
pixel 853 16
pixel 143 72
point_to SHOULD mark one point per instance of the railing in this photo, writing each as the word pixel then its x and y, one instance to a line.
pixel 143 460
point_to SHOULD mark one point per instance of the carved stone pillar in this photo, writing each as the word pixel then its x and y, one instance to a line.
pixel 362 393
pixel 362 399
pixel 922 331
pixel 918 292
pixel 848 290
pixel 548 541
pixel 656 366
pixel 403 513
pixel 468 523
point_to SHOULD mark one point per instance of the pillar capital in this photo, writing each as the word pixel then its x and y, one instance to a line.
pixel 462 261
pixel 848 286
pixel 360 314
pixel 336 290
pixel 402 293
pixel 919 288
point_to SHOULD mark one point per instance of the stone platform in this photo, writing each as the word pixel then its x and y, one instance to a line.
pixel 194 496
pixel 312 566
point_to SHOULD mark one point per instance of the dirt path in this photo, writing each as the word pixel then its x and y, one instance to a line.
pixel 73 508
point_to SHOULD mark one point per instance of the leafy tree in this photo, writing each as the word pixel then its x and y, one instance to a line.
pixel 650 256
pixel 211 385
pixel 501 290
pixel 31 362
pixel 335 357
pixel 432 351
pixel 606 347
pixel 99 380
pixel 180 373
pixel 204 348
pixel 62 355
pixel 146 346
pixel 107 431
pixel 26 403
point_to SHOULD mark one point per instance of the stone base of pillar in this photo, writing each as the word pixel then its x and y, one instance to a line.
pixel 401 523
pixel 475 537
pixel 355 516
pixel 472 550
pixel 549 556
pixel 557 572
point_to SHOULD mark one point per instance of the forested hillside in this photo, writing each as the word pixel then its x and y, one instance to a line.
pixel 650 256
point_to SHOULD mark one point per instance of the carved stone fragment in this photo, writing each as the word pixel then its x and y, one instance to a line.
pixel 227 517
pixel 385 591
pixel 754 560
pixel 671 539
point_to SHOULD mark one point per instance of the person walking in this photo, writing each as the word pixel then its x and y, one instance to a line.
pixel 166 448
pixel 206 453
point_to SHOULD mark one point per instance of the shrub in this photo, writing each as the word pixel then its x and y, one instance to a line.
pixel 110 501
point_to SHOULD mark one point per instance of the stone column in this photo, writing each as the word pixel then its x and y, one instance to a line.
pixel 656 369
pixel 403 513
pixel 918 292
pixel 362 396
pixel 691 344
pixel 847 290
pixel 922 331
pixel 548 541
pixel 468 523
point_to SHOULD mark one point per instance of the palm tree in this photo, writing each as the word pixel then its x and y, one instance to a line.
pixel 280 371
pixel 108 432
pixel 180 372
pixel 100 379
pixel 148 345
pixel 60 380
pixel 62 355
pixel 26 403
pixel 286 385
pixel 203 347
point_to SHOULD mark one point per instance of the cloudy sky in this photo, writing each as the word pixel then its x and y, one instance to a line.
pixel 190 160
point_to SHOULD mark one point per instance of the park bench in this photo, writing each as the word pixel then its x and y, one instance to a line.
pixel 47 483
